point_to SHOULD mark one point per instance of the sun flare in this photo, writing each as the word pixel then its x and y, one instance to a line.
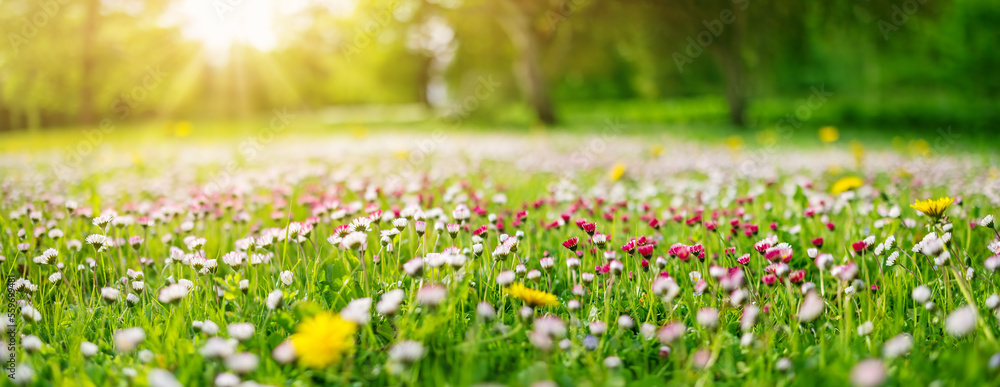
pixel 219 25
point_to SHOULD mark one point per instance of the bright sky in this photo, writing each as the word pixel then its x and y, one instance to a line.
pixel 218 24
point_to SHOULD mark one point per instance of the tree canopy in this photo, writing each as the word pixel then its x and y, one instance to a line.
pixel 70 62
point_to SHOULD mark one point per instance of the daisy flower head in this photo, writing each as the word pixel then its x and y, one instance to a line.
pixel 671 332
pixel 104 220
pixel 275 299
pixel 361 224
pixel 483 232
pixel 88 349
pixel 598 328
pixel 135 274
pixel 110 295
pixel 992 263
pixel 406 352
pixel 868 373
pixel 897 346
pixel 708 317
pixel 47 257
pixel 390 302
pixel 173 293
pixel 865 328
pixel 357 241
pixel 811 308
pixel 98 241
pixel 414 267
pixel 286 277
pixel 145 221
pixel 961 321
pixel 665 287
pixel 24 285
pixel 461 213
pixel 74 245
pixel 501 252
pixel 431 295
pixel 234 258
pixel 453 229
pixel 626 322
pixel 284 353
pixel 485 310
pixel 616 267
pixel 241 331
pixel 358 311
pixel 987 221
pixel 506 278
pixel 323 339
pixel 128 339
pixel 570 244
pixel 511 244
pixel 29 313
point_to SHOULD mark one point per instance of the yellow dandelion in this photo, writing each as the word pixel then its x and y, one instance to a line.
pixel 136 158
pixel 858 151
pixel 182 129
pixel 735 143
pixel 828 134
pixel 931 207
pixel 920 147
pixel 532 297
pixel 767 137
pixel 616 171
pixel 846 183
pixel 359 132
pixel 656 150
pixel 321 340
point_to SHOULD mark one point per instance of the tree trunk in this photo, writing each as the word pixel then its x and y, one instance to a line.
pixel 735 90
pixel 425 64
pixel 728 54
pixel 731 63
pixel 529 72
pixel 527 63
pixel 87 55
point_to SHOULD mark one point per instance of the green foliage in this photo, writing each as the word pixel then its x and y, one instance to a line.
pixel 903 63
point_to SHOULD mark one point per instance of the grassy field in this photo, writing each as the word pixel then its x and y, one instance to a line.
pixel 772 123
pixel 345 252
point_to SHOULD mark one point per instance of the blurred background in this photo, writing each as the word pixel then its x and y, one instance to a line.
pixel 903 65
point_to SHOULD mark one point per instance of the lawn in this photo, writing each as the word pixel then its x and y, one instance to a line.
pixel 606 251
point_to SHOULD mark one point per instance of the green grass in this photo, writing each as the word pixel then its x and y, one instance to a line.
pixel 696 119
pixel 461 346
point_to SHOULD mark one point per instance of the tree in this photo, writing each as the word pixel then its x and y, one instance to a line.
pixel 87 59
pixel 519 18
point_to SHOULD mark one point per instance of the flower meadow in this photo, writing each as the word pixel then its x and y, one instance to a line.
pixel 504 260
